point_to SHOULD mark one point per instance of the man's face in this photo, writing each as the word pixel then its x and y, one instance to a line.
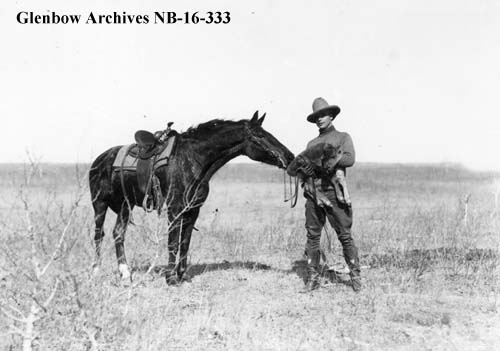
pixel 324 122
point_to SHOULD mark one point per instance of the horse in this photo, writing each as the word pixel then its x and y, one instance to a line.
pixel 198 154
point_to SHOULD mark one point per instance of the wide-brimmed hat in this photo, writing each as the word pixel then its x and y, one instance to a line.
pixel 321 108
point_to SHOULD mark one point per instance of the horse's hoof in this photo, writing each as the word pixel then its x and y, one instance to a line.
pixel 126 282
pixel 172 280
pixel 186 278
pixel 125 273
pixel 96 270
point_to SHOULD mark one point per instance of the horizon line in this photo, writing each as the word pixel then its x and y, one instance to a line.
pixel 251 162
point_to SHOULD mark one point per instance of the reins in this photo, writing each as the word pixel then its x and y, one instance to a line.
pixel 292 194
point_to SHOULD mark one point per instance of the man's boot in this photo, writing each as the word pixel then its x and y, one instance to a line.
pixel 313 258
pixel 352 259
pixel 356 282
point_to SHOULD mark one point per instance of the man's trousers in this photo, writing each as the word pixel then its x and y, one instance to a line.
pixel 340 218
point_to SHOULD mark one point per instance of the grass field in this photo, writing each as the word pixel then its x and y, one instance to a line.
pixel 428 237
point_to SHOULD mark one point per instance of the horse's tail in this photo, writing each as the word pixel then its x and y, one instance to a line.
pixel 122 180
pixel 100 173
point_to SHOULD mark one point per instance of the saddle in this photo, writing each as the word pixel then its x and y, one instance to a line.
pixel 147 145
pixel 146 151
pixel 150 152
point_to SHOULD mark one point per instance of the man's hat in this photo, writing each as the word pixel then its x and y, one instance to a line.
pixel 321 108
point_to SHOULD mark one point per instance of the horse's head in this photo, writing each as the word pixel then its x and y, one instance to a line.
pixel 262 146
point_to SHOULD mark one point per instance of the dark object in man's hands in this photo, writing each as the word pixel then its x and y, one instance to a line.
pixel 307 169
pixel 317 161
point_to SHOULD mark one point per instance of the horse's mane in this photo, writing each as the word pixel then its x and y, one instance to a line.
pixel 208 128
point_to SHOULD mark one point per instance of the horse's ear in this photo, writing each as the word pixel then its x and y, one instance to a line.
pixel 261 120
pixel 255 117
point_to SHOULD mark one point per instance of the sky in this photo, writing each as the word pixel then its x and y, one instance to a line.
pixel 417 81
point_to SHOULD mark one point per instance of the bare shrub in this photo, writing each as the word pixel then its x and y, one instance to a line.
pixel 34 249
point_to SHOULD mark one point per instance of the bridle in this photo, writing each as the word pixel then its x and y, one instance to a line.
pixel 290 193
pixel 256 140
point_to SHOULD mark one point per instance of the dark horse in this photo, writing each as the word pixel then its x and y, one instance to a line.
pixel 198 154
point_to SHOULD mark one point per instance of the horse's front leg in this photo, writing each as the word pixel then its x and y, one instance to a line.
pixel 180 238
pixel 189 220
pixel 173 248
pixel 174 230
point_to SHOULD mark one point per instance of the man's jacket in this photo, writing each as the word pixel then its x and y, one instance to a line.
pixel 340 140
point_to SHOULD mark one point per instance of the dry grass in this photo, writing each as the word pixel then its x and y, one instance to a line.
pixel 432 281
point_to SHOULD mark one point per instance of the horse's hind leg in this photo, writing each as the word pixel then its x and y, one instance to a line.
pixel 100 208
pixel 119 230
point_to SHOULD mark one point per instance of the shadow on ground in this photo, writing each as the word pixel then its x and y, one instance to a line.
pixel 299 267
pixel 417 257
pixel 406 259
pixel 198 269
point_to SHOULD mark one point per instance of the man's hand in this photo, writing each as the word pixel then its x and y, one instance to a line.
pixel 307 170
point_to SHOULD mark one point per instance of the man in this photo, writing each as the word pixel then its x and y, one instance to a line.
pixel 339 214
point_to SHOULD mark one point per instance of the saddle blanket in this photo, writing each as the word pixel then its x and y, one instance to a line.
pixel 129 162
